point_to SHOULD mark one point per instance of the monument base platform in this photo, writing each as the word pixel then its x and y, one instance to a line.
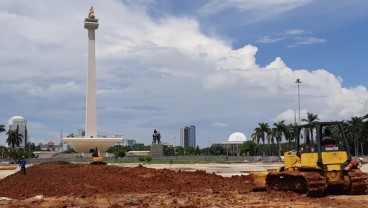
pixel 86 144
pixel 157 150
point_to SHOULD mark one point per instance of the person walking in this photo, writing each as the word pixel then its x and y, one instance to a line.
pixel 22 165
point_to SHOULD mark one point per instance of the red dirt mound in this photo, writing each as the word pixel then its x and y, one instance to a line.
pixel 79 185
pixel 65 179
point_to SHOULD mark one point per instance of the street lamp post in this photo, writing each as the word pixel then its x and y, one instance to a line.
pixel 174 144
pixel 298 82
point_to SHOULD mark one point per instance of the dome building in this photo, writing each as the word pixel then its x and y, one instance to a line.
pixel 237 137
pixel 20 123
pixel 233 143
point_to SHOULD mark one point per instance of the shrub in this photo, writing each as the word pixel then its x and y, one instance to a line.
pixel 119 153
pixel 141 158
pixel 147 158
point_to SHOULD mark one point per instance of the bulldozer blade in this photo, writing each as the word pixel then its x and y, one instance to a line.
pixel 259 181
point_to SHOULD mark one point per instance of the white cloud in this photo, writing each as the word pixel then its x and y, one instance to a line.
pixel 289 116
pixel 295 36
pixel 298 41
pixel 264 9
pixel 268 39
pixel 295 32
pixel 220 81
pixel 55 90
pixel 219 124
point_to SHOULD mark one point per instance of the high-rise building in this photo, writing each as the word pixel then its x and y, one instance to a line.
pixel 20 123
pixel 188 136
pixel 129 142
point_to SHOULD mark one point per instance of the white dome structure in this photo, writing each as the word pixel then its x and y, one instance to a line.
pixel 16 119
pixel 20 123
pixel 237 137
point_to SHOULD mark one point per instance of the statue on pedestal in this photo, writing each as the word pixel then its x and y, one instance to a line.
pixel 156 137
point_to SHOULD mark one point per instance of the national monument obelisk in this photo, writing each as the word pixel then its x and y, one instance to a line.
pixel 91 24
pixel 91 139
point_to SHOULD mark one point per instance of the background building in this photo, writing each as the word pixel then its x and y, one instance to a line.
pixel 188 136
pixel 233 143
pixel 21 123
pixel 51 146
pixel 128 142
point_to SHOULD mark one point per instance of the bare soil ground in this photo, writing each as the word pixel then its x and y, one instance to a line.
pixel 79 185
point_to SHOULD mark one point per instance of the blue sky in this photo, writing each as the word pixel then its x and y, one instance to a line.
pixel 222 66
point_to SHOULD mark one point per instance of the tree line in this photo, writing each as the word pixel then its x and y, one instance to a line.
pixel 280 137
pixel 356 130
pixel 266 140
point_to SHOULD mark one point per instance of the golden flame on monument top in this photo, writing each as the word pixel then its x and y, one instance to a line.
pixel 91 14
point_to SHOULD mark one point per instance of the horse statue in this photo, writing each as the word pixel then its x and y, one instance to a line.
pixel 156 137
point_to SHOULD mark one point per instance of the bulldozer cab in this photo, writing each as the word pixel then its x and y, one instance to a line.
pixel 322 145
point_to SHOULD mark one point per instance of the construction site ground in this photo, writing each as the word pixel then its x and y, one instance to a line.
pixel 61 184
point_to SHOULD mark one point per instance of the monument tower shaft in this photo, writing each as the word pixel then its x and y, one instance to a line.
pixel 91 24
pixel 91 141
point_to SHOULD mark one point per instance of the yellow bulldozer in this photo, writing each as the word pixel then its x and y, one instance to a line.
pixel 320 163
pixel 97 158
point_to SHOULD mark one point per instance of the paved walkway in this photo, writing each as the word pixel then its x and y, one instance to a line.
pixel 229 169
pixel 5 173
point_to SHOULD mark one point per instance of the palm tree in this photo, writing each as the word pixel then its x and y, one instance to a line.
pixel 364 131
pixel 311 118
pixel 14 137
pixel 355 127
pixel 260 133
pixel 280 129
pixel 2 128
pixel 292 134
pixel 265 132
pixel 256 136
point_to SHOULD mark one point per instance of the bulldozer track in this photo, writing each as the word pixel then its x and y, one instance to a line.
pixel 311 183
pixel 358 182
pixel 316 184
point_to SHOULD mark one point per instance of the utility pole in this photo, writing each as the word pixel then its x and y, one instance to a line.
pixel 174 145
pixel 298 82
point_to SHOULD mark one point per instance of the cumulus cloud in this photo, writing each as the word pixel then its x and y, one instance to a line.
pixel 152 73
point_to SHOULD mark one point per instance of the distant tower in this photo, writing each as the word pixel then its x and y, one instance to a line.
pixel 188 136
pixel 91 24
pixel 21 123
pixel 91 141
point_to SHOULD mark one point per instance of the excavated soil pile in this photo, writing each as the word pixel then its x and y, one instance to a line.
pixel 80 185
pixel 65 179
